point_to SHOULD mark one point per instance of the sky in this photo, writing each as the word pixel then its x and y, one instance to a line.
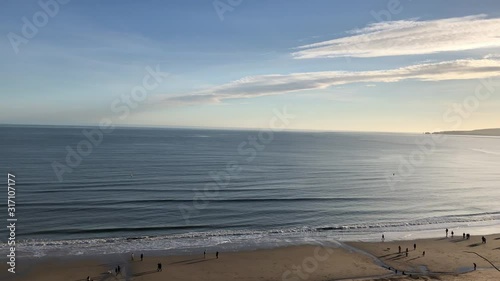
pixel 390 66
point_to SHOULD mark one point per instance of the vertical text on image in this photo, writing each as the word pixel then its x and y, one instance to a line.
pixel 11 222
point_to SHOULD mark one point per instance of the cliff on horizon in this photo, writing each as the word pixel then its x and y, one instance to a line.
pixel 482 132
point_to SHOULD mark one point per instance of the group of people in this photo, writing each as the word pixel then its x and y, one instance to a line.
pixel 402 272
pixel 205 254
pixel 159 266
pixel 414 249
pixel 464 235
pixel 132 256
pixel 118 270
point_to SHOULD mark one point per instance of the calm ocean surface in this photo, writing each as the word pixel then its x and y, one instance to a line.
pixel 154 189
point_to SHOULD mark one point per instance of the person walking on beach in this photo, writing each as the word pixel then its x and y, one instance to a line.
pixel 406 252
pixel 463 236
pixel 423 254
pixel 447 232
pixel 383 237
pixel 158 269
pixel 452 233
pixel 216 255
pixel 119 269
pixel 205 254
pixel 142 257
pixel 414 247
pixel 399 249
pixel 483 239
pixel 475 266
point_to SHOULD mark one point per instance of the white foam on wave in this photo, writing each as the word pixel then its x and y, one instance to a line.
pixel 246 240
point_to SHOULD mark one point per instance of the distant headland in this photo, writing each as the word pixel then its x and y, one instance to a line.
pixel 482 132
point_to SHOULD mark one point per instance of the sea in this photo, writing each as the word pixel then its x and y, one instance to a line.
pixel 82 191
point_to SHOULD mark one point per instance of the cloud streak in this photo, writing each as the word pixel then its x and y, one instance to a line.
pixel 409 37
pixel 276 84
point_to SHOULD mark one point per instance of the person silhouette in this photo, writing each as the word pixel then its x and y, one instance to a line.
pixel 447 232
pixel 216 255
pixel 399 249
pixel 483 239
pixel 205 254
pixel 158 269
pixel 142 257
pixel 475 266
pixel 414 247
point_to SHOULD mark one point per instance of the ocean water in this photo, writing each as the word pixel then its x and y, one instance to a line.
pixel 181 190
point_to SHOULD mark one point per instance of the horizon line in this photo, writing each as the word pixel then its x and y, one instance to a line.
pixel 206 128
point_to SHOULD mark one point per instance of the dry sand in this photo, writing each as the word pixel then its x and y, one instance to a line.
pixel 314 262
pixel 444 257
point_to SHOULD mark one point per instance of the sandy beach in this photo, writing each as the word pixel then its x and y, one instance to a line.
pixel 447 259
pixel 442 255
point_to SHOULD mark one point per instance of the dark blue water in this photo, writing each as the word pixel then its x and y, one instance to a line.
pixel 182 189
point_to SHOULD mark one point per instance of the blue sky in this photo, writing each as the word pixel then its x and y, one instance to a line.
pixel 336 65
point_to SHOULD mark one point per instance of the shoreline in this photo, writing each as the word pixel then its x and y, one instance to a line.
pixel 445 257
pixel 189 243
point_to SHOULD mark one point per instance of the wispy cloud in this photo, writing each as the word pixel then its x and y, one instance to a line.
pixel 275 84
pixel 409 37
